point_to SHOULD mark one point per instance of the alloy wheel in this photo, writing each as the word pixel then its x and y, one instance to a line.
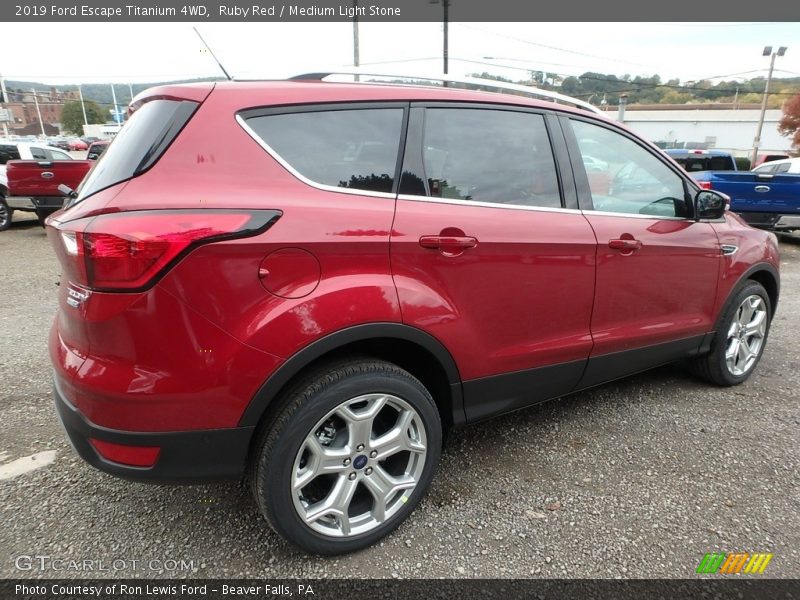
pixel 746 335
pixel 359 465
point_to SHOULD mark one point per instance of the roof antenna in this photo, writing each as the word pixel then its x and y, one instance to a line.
pixel 219 64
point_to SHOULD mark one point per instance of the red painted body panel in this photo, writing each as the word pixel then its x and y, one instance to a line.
pixel 521 298
pixel 664 291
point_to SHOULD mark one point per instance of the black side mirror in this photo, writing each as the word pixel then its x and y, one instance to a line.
pixel 709 204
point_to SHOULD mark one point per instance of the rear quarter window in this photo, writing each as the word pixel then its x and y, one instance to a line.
pixel 350 149
pixel 139 144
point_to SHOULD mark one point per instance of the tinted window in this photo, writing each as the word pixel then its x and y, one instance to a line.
pixel 8 152
pixel 707 163
pixel 634 181
pixel 56 155
pixel 354 149
pixel 139 144
pixel 39 154
pixel 783 168
pixel 495 156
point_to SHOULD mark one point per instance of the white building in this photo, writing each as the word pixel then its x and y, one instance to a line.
pixel 715 125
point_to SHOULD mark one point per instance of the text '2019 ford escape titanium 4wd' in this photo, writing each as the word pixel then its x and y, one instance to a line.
pixel 306 282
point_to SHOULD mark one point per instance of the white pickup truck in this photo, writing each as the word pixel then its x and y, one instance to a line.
pixel 10 150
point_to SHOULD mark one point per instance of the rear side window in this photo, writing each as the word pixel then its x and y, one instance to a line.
pixel 355 149
pixel 8 152
pixel 497 156
pixel 139 144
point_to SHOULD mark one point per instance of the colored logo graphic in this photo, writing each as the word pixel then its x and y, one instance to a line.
pixel 734 562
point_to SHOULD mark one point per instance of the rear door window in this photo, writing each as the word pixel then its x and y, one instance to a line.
pixel 351 149
pixel 486 155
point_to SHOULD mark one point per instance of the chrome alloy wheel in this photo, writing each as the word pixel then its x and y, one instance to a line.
pixel 359 465
pixel 746 335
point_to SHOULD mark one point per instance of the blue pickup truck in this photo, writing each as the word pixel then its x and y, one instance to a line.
pixel 768 197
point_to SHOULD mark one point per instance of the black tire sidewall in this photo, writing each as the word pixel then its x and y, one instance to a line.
pixel 718 354
pixel 279 462
pixel 9 213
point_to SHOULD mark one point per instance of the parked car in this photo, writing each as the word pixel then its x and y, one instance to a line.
pixel 77 144
pixel 96 149
pixel 60 144
pixel 766 157
pixel 364 267
pixel 703 160
pixel 15 150
pixel 778 166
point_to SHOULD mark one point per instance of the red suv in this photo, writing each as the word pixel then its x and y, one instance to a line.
pixel 306 283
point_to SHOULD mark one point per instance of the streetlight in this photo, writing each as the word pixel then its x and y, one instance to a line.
pixel 757 141
pixel 445 21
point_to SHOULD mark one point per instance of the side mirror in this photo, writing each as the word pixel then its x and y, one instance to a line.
pixel 67 191
pixel 709 204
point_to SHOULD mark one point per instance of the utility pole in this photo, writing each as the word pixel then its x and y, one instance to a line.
pixel 757 141
pixel 130 89
pixel 83 106
pixel 4 97
pixel 38 112
pixel 116 110
pixel 356 60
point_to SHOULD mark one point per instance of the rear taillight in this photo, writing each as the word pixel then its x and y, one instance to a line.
pixel 128 251
pixel 704 185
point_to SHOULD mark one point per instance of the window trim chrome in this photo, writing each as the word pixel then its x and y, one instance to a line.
pixel 480 204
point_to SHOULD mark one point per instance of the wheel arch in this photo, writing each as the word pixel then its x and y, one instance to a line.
pixel 410 348
pixel 767 276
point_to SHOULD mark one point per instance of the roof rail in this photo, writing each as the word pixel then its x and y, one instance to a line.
pixel 500 85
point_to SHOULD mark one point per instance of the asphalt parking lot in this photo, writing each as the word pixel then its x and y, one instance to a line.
pixel 639 478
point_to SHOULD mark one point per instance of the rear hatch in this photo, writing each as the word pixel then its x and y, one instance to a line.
pixel 104 256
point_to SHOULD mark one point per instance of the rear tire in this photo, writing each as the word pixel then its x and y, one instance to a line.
pixel 740 338
pixel 5 214
pixel 349 456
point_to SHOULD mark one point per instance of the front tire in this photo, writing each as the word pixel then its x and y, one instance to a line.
pixel 348 457
pixel 740 338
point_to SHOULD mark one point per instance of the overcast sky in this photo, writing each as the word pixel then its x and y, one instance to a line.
pixel 122 52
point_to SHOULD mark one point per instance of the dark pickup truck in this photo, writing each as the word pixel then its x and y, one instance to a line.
pixel 33 184
pixel 764 200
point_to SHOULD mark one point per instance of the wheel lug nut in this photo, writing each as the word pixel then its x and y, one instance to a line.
pixel 373 454
pixel 367 471
pixel 346 461
pixel 351 476
pixel 360 447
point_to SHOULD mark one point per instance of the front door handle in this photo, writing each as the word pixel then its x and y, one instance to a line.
pixel 625 245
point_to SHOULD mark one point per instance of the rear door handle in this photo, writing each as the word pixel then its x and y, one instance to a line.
pixel 626 245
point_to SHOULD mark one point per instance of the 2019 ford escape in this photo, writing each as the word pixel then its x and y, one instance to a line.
pixel 306 283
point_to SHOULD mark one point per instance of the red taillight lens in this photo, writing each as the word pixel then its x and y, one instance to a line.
pixel 126 251
pixel 704 185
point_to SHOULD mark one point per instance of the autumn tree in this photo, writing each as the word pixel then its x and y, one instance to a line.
pixel 789 124
pixel 72 116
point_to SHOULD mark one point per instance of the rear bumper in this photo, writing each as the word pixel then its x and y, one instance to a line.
pixel 45 203
pixel 184 457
